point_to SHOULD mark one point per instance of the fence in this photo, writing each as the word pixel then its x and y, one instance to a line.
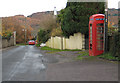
pixel 77 41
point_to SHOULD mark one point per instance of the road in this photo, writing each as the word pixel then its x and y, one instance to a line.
pixel 23 63
pixel 29 63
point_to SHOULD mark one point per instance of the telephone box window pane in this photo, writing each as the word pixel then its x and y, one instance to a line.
pixel 100 24
pixel 99 45
pixel 91 36
pixel 100 32
pixel 100 42
pixel 99 48
pixel 100 28
pixel 91 42
pixel 100 38
pixel 91 32
pixel 100 35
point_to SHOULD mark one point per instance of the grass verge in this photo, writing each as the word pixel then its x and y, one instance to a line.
pixel 52 49
pixel 83 54
pixel 37 45
pixel 109 56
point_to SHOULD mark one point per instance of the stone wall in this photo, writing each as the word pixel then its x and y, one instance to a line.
pixel 7 43
pixel 0 41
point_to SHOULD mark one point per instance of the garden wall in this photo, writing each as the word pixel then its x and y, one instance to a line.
pixel 7 43
pixel 77 41
pixel 0 42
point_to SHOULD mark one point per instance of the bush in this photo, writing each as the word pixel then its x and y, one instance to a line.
pixel 43 36
pixel 56 32
pixel 108 56
pixel 115 44
pixel 6 35
pixel 38 45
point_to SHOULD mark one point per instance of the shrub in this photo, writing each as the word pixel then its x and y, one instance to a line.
pixel 108 56
pixel 56 32
pixel 115 44
pixel 6 35
pixel 43 36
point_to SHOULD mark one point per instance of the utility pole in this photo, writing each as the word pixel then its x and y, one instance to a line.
pixel 14 38
pixel 25 29
pixel 0 32
pixel 1 50
pixel 106 27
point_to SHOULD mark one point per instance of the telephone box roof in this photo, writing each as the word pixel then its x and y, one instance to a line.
pixel 96 15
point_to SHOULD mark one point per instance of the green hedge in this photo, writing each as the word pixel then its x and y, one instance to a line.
pixel 115 44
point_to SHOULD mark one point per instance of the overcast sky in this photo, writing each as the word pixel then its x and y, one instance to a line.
pixel 27 7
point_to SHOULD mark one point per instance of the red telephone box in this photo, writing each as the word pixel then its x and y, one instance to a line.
pixel 96 34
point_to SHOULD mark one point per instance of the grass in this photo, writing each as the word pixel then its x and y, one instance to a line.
pixel 49 49
pixel 109 56
pixel 82 55
pixel 52 49
pixel 37 45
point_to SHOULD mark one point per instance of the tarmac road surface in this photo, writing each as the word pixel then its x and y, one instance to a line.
pixel 23 63
pixel 29 63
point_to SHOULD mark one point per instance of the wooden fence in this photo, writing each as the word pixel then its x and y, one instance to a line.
pixel 77 41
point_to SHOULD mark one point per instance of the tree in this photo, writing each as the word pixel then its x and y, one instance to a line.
pixel 119 25
pixel 49 27
pixel 48 22
pixel 11 24
pixel 56 32
pixel 75 17
pixel 60 16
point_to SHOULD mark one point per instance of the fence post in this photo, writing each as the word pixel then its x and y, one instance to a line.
pixel 61 43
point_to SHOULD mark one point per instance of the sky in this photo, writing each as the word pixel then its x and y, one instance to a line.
pixel 27 7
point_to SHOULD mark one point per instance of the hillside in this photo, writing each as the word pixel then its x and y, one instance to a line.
pixel 40 15
pixel 33 23
pixel 36 20
pixel 16 23
pixel 113 16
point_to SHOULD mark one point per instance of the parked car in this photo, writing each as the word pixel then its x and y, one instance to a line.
pixel 31 42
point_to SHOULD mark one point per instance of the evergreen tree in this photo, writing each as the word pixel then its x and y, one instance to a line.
pixel 75 17
pixel 119 25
